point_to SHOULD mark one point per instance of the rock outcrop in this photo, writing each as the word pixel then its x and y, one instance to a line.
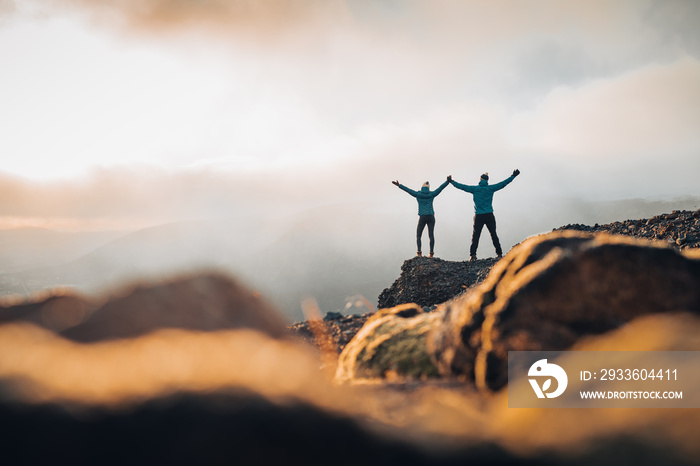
pixel 429 281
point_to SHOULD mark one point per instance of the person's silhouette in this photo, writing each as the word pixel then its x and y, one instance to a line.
pixel 483 209
pixel 426 213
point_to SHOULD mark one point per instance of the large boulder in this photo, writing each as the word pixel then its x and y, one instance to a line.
pixel 553 289
pixel 390 345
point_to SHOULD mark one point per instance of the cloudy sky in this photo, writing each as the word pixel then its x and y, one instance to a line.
pixel 125 113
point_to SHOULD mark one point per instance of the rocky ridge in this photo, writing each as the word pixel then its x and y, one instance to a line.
pixel 430 281
pixel 680 228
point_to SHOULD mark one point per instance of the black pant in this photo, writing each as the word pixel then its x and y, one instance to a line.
pixel 490 221
pixel 424 220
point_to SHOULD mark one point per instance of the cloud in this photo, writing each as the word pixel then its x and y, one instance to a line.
pixel 377 90
pixel 6 7
pixel 650 112
pixel 133 197
pixel 138 196
pixel 677 22
pixel 466 26
pixel 261 18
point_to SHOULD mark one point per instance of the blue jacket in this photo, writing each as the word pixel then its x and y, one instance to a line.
pixel 425 198
pixel 483 193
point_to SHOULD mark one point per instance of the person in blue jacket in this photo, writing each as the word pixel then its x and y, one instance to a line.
pixel 426 214
pixel 483 210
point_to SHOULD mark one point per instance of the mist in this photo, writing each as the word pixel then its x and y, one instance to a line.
pixel 284 238
pixel 261 138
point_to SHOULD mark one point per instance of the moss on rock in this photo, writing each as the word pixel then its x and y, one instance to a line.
pixel 391 344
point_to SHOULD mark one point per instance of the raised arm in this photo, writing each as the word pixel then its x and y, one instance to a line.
pixel 440 188
pixel 463 187
pixel 504 183
pixel 408 190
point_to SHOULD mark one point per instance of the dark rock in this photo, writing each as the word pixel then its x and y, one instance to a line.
pixel 341 330
pixel 429 281
pixel 665 227
pixel 332 316
pixel 553 289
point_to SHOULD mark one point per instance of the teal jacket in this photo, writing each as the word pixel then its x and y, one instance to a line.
pixel 483 193
pixel 425 198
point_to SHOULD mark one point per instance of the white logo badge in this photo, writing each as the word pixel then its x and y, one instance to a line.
pixel 542 368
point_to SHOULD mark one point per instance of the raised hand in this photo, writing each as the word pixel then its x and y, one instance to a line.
pixel 516 172
pixel 395 182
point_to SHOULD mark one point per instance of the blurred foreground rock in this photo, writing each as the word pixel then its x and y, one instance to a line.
pixel 241 396
pixel 546 294
pixel 205 302
pixel 177 396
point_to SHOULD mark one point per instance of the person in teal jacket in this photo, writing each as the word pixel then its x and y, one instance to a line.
pixel 483 209
pixel 426 214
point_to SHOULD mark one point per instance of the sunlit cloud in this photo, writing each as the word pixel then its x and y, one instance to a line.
pixel 261 21
pixel 653 111
pixel 155 111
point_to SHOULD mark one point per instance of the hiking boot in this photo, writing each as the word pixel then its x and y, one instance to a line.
pixel 419 254
pixel 499 256
pixel 431 255
pixel 472 259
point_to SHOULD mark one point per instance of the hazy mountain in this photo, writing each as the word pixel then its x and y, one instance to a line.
pixel 152 251
pixel 24 248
